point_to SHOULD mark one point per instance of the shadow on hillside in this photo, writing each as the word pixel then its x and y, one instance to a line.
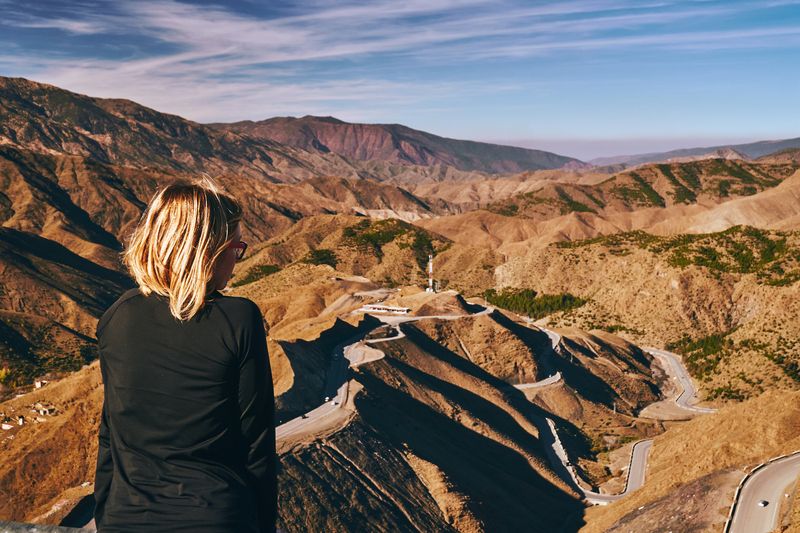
pixel 533 338
pixel 311 364
pixel 502 488
pixel 581 379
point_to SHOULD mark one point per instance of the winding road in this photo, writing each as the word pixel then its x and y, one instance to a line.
pixel 338 408
pixel 687 396
pixel 335 412
pixel 682 404
pixel 768 483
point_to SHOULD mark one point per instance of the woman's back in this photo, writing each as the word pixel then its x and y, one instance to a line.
pixel 188 418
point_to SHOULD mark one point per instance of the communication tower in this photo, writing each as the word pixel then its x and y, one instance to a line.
pixel 430 274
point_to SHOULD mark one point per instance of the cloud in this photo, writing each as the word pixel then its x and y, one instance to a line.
pixel 215 63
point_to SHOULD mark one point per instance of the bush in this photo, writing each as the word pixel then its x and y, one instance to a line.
pixel 373 235
pixel 528 302
pixel 256 273
pixel 321 256
pixel 571 205
pixel 703 355
pixel 680 193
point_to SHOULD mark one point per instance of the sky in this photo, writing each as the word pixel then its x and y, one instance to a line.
pixel 584 78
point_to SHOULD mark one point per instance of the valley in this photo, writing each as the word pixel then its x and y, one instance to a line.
pixel 606 348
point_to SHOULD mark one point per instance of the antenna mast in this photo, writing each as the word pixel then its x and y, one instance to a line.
pixel 430 274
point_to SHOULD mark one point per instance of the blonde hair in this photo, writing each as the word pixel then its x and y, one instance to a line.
pixel 174 248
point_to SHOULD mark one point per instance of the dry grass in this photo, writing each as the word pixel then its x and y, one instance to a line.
pixel 732 440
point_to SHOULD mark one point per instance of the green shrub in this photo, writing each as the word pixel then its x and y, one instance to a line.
pixel 256 273
pixel 790 367
pixel 321 256
pixel 680 193
pixel 702 356
pixel 373 235
pixel 505 209
pixel 571 205
pixel 530 303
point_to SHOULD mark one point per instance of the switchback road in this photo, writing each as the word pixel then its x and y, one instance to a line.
pixel 337 409
pixel 688 395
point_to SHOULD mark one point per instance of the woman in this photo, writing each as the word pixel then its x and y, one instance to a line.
pixel 187 439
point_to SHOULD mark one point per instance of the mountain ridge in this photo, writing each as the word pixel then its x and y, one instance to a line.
pixel 397 143
pixel 752 150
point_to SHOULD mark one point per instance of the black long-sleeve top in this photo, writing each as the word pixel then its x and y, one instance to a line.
pixel 187 436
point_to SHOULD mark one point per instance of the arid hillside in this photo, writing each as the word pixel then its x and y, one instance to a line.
pixel 441 396
pixel 391 252
pixel 662 185
pixel 694 468
pixel 65 220
pixel 396 143
pixel 774 208
pixel 550 279
pixel 727 300
pixel 482 190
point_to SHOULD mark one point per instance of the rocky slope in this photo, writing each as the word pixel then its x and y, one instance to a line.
pixel 396 143
pixel 65 219
pixel 407 458
pixel 727 300
pixel 773 208
pixel 663 185
pixel 388 251
pixel 694 468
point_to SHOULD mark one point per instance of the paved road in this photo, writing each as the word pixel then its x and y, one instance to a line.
pixel 331 412
pixel 558 457
pixel 555 378
pixel 355 351
pixel 555 338
pixel 688 395
pixel 350 353
pixel 769 483
pixel 683 402
pixel 401 319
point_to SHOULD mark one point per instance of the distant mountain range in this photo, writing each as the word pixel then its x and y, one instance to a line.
pixel 397 143
pixel 749 150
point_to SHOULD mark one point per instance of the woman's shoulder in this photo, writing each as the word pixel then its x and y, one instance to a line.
pixel 126 296
pixel 239 310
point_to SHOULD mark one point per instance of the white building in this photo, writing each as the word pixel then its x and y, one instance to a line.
pixel 377 308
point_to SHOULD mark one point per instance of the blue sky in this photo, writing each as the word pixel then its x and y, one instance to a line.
pixel 579 77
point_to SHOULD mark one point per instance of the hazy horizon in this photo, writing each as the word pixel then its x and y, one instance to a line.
pixel 588 149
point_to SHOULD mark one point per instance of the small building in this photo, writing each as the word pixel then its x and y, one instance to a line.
pixel 39 383
pixel 44 408
pixel 20 420
pixel 375 308
pixel 6 424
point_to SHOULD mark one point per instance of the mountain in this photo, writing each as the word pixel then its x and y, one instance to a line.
pixel 433 435
pixel 396 143
pixel 76 173
pixel 665 199
pixel 653 185
pixel 405 455
pixel 49 120
pixel 694 469
pixel 63 220
pixel 727 300
pixel 749 150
